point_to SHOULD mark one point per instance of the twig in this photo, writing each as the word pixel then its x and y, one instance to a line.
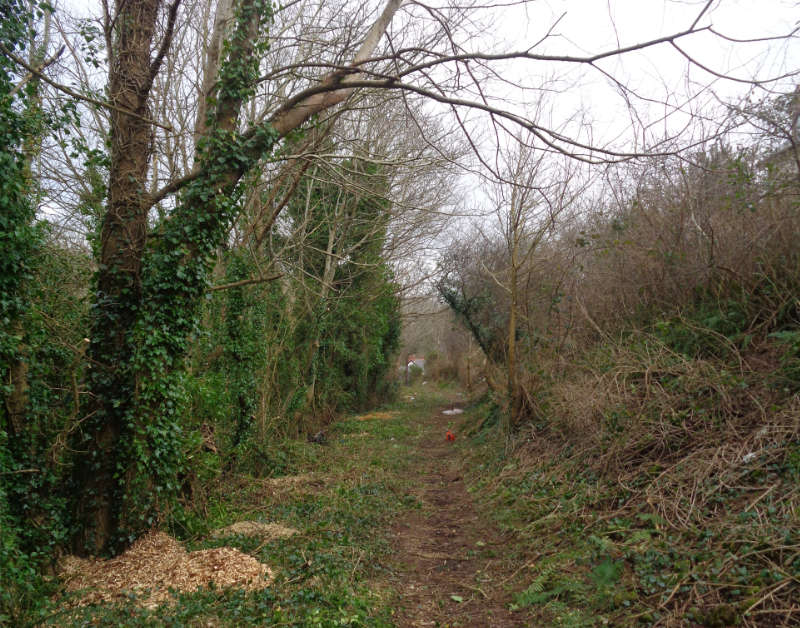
pixel 30 75
pixel 245 282
pixel 762 496
pixel 674 591
pixel 528 563
pixel 478 589
pixel 436 556
pixel 769 593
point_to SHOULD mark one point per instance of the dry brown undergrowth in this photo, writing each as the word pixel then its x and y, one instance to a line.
pixel 157 563
pixel 689 445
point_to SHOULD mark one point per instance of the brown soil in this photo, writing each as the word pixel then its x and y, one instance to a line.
pixel 448 551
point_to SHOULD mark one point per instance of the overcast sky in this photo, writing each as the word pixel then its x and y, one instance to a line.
pixel 661 73
pixel 588 26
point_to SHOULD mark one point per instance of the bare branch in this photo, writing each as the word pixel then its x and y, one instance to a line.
pixel 74 94
pixel 31 74
pixel 245 282
pixel 694 61
pixel 702 13
pixel 734 40
pixel 165 43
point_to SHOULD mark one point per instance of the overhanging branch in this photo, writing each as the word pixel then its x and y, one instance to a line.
pixel 245 282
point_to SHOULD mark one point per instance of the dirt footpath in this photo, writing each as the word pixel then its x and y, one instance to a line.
pixel 448 559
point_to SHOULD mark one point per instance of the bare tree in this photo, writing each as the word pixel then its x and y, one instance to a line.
pixel 530 206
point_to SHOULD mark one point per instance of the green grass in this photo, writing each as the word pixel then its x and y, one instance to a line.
pixel 326 574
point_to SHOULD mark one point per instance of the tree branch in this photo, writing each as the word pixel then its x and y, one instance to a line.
pixel 726 77
pixel 165 44
pixel 39 68
pixel 478 56
pixel 343 80
pixel 245 282
pixel 74 94
pixel 702 13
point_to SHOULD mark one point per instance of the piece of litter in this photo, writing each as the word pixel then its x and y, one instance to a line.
pixel 749 457
pixel 453 411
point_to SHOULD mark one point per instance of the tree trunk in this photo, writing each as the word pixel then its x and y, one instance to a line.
pixel 18 398
pixel 514 393
pixel 327 283
pixel 118 279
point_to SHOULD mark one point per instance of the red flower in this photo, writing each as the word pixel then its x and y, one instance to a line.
pixel 450 436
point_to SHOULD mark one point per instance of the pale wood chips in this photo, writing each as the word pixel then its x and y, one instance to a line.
pixel 157 563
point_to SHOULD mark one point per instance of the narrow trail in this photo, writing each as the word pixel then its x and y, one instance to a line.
pixel 448 568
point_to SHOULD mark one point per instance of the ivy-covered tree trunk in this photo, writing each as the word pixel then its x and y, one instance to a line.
pixel 149 286
pixel 118 280
pixel 17 400
pixel 148 289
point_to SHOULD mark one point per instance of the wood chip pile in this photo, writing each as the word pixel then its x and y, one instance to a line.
pixel 306 482
pixel 266 531
pixel 381 416
pixel 157 563
pixel 288 481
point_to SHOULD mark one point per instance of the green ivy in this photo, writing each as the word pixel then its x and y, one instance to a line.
pixel 31 509
pixel 144 392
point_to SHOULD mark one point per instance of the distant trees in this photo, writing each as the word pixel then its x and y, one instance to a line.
pixel 348 303
pixel 702 248
pixel 316 338
pixel 493 287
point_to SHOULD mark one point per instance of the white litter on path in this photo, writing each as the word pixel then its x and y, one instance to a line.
pixel 453 411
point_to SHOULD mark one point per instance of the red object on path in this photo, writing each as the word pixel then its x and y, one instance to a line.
pixel 450 436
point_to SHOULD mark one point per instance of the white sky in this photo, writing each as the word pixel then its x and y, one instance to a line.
pixel 660 73
pixel 591 26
